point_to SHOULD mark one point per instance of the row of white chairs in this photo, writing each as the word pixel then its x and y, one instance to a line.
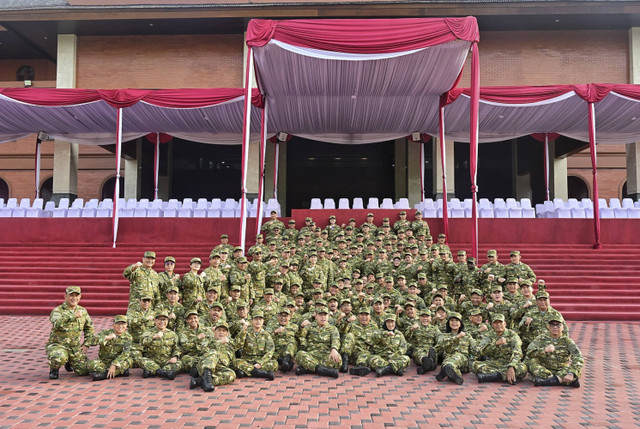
pixel 358 203
pixel 483 203
pixel 587 213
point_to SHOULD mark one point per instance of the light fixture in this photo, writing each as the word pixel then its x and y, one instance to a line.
pixel 282 136
pixel 415 136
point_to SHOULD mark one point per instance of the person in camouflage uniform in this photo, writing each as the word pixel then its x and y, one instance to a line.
pixel 240 276
pixel 213 276
pixel 267 305
pixel 553 358
pixel 114 355
pixel 174 309
pixel 419 225
pixel 140 319
pixel 216 314
pixel 476 327
pixel 344 323
pixel 457 348
pixel 193 290
pixel 467 279
pixel 269 226
pixel 535 320
pixel 259 246
pixel 168 277
pixel 160 350
pixel 284 339
pixel 366 335
pixel 518 269
pixel 423 337
pixel 194 340
pixel 64 347
pixel 291 231
pixel 475 302
pixel 215 368
pixel 499 305
pixel 224 244
pixel 402 222
pixel 321 345
pixel 143 280
pixel 257 351
pixel 502 349
pixel 258 270
pixel 389 353
pixel 493 267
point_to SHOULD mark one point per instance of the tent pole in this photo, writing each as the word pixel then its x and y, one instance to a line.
pixel 473 151
pixel 276 168
pixel 116 191
pixel 38 157
pixel 592 150
pixel 246 135
pixel 156 166
pixel 443 160
pixel 546 166
pixel 422 143
pixel 263 154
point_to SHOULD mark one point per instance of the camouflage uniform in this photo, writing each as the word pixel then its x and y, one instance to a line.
pixel 220 361
pixel 390 350
pixel 143 281
pixel 114 352
pixel 64 340
pixel 165 282
pixel 317 342
pixel 458 353
pixel 156 352
pixel 422 339
pixel 258 271
pixel 213 277
pixel 285 342
pixel 237 278
pixel 520 271
pixel 500 358
pixel 258 347
pixel 539 324
pixel 177 322
pixel 192 347
pixel 564 360
pixel 192 290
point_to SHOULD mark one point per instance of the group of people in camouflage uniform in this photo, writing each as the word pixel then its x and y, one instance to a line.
pixel 322 299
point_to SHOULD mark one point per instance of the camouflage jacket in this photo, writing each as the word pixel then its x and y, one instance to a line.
pixel 66 327
pixel 566 353
pixel 160 349
pixel 509 354
pixel 114 352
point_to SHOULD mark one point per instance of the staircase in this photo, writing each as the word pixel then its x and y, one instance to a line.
pixel 584 284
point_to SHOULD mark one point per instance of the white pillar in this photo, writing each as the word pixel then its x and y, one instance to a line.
pixel 633 150
pixel 450 168
pixel 414 188
pixel 65 156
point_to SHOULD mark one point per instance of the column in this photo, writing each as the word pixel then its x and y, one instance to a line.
pixel 633 151
pixel 253 172
pixel 414 188
pixel 131 170
pixel 558 186
pixel 65 156
pixel 401 167
pixel 437 169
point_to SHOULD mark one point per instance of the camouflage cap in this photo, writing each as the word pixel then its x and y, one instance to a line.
pixel 402 212
pixel 150 254
pixel 422 276
pixel 257 313
pixel 224 236
pixel 471 259
pixel 390 316
pixel 170 259
pixel 526 283
pixel 476 312
pixel 242 304
pixel 259 236
pixel 514 253
pixel 214 255
pixel 235 287
pixel 496 288
pixel 345 301
pixel 237 249
pixel 402 276
pixel 332 298
pixel 241 260
pixel 477 292
pixel 496 317
pixel 195 261
pixel 425 312
pixel 120 318
pixel 162 313
pixel 322 309
pixel 189 313
pixel 388 279
pixel 462 253
pixel 512 279
pixel 221 325
pixel 269 291
pixel 284 310
pixel 436 295
pixel 555 317
pixel 145 296
pixel 292 221
pixel 218 305
pixel 442 235
pixel 454 315
pixel 308 219
pixel 377 299
pixel 492 252
pixel 369 214
pixel 443 287
pixel 410 304
pixel 418 212
pixel 73 289
pixel 542 295
pixel 364 310
pixel 173 289
pixel 332 217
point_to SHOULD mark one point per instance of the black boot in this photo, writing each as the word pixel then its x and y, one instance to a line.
pixel 486 378
pixel 68 367
pixel 195 382
pixel 345 363
pixel 287 364
pixel 53 373
pixel 441 375
pixel 551 381
pixel 386 370
pixel 97 376
pixel 327 372
pixel 207 385
pixel 125 373
pixel 448 369
pixel 261 374
pixel 240 374
pixel 575 383
pixel 360 371
pixel 193 372
pixel 146 374
pixel 399 372
pixel 168 375
pixel 432 357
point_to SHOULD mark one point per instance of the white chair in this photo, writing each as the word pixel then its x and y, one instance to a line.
pixel 59 212
pixel 230 204
pixel 19 212
pixel 103 212
pixel 606 213
pixel 358 204
pixel 154 212
pixel 485 213
pixel 140 212
pixel 549 206
pixel 586 203
pixel 525 203
pixel 126 212
pixel 107 203
pixel 636 204
pixel 38 203
pixel 74 212
pixel 403 204
pixel 602 202
pixel 558 202
pixel 455 204
pixel 588 211
pixel 1 202
pixel 50 206
pixel 468 212
pixel 578 213
pixel 457 212
pixel 484 203
pixel 329 203
pixel 203 203
pixel 63 204
pixel 515 213
pixel 216 203
pixel 572 203
pixel 44 213
pixel 541 210
pixel 273 204
pixel 528 213
pixel 343 204
pixel 467 203
pixel 500 212
pixel 439 203
pixel 173 204
pixel 92 204
pixel 78 203
pixel 373 203
pixel 620 213
pixel 143 204
pixel 512 203
pixel 614 203
pixel 12 203
pixel 213 212
pixel 5 212
pixel 238 211
pixel 634 213
pixel 428 203
pixel 169 212
pixel 387 203
pixel 316 204
pixel 25 203
pixel 188 203
pixel 499 203
pixel 430 213
pixel 185 212
pixel 228 213
pixel 199 212
pixel 88 212
pixel 563 213
pixel 627 203
pixel 131 203
pixel 156 204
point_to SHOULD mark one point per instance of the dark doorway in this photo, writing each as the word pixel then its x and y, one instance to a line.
pixel 4 190
pixel 325 170
pixel 46 189
pixel 109 187
pixel 577 188
pixel 493 172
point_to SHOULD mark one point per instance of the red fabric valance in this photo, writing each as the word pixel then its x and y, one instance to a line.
pixel 512 94
pixel 364 36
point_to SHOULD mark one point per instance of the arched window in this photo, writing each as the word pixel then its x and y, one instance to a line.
pixel 4 190
pixel 25 73
pixel 46 189
pixel 577 187
pixel 109 187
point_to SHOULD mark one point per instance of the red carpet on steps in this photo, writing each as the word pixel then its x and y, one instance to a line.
pixel 43 256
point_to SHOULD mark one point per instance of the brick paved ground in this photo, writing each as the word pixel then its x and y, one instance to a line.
pixel 608 396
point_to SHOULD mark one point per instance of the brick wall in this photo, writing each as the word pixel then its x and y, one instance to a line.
pixel 45 69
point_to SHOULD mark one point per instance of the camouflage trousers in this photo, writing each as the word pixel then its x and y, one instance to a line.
pixel 220 374
pixel 246 365
pixel 396 360
pixel 100 366
pixel 58 355
pixel 347 344
pixel 539 371
pixel 419 353
pixel 290 348
pixel 153 365
pixel 309 360
pixel 189 361
pixel 363 357
pixel 136 355
pixel 491 366
pixel 457 361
